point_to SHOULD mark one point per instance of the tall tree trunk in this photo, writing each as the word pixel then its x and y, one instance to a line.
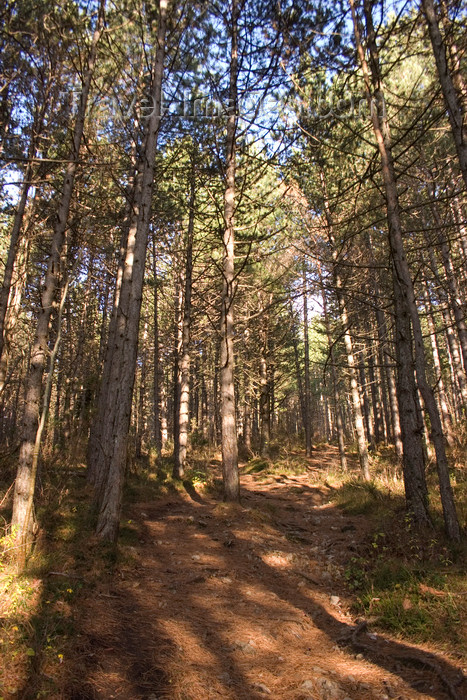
pixel 447 420
pixel 337 408
pixel 376 405
pixel 367 414
pixel 391 382
pixel 227 387
pixel 388 360
pixel 20 223
pixel 406 306
pixel 264 399
pixel 140 423
pixel 16 285
pixel 177 349
pixel 455 105
pixel 96 449
pixel 298 370
pixel 157 436
pixel 455 301
pixel 109 460
pixel 451 336
pixel 307 393
pixel 355 393
pixel 247 413
pixel 23 518
pixel 354 389
pixel 180 449
pixel 5 290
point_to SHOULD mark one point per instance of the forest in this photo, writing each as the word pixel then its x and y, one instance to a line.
pixel 233 265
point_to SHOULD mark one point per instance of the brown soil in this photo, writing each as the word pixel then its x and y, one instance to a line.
pixel 242 602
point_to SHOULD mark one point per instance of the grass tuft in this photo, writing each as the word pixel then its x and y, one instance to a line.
pixel 408 582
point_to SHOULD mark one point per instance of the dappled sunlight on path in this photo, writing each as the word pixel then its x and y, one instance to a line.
pixel 243 602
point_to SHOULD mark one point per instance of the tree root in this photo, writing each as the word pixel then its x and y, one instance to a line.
pixel 404 655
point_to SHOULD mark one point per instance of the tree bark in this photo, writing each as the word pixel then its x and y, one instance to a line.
pixel 388 361
pixel 23 518
pixel 455 301
pixel 5 290
pixel 10 293
pixel 140 423
pixel 307 396
pixel 180 448
pixel 455 105
pixel 337 409
pixel 226 376
pixel 406 306
pixel 109 460
pixel 298 370
pixel 264 399
pixel 446 416
pixel 354 389
pixel 157 435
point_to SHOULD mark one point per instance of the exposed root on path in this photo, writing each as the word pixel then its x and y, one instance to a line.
pixel 375 646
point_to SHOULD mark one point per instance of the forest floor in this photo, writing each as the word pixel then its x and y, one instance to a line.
pixel 213 600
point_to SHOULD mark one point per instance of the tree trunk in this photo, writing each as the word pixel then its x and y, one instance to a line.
pixel 367 414
pixel 180 449
pixel 455 106
pixel 406 306
pixel 298 371
pixel 156 391
pixel 5 290
pixel 109 461
pixel 355 393
pixel 177 348
pixel 388 361
pixel 455 301
pixel 140 423
pixel 264 400
pixel 16 285
pixel 447 420
pixel 23 518
pixel 307 396
pixel 339 424
pixel 451 336
pixel 376 405
pixel 10 293
pixel 226 377
pixel 354 390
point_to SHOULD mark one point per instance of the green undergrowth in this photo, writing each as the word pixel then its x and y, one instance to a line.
pixel 376 498
pixel 408 582
pixel 285 465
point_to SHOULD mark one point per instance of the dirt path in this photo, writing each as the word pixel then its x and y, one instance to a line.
pixel 247 602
